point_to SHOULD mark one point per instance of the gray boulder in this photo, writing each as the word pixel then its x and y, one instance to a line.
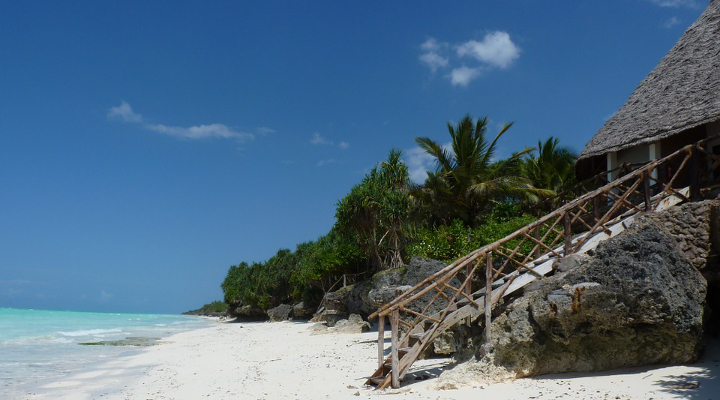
pixel 280 313
pixel 354 324
pixel 302 310
pixel 247 312
pixel 419 269
pixel 637 301
pixel 366 297
pixel 338 300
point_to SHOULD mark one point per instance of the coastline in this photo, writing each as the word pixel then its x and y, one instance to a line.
pixel 262 360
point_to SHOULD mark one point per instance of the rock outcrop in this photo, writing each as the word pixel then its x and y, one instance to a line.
pixel 247 313
pixel 302 310
pixel 366 297
pixel 354 324
pixel 283 312
pixel 695 228
pixel 638 300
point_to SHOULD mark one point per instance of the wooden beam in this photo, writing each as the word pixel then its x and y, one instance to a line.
pixel 488 296
pixel 695 176
pixel 646 190
pixel 381 341
pixel 395 367
pixel 567 233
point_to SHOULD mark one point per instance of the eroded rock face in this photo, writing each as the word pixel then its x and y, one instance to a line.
pixel 302 310
pixel 694 226
pixel 247 313
pixel 637 301
pixel 282 312
pixel 366 297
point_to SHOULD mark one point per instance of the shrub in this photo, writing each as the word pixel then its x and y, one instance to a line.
pixel 448 243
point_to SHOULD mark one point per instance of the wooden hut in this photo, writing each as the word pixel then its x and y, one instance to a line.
pixel 678 103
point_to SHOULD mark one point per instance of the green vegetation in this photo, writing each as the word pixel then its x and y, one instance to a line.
pixel 553 168
pixel 467 182
pixel 450 242
pixel 376 212
pixel 469 201
pixel 214 307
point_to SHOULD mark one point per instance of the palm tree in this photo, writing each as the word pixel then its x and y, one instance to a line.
pixel 467 179
pixel 553 168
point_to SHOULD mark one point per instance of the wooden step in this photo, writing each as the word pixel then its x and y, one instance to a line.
pixel 377 380
pixel 404 350
pixel 417 336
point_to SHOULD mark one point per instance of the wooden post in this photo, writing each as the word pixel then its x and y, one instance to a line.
pixel 596 207
pixel 694 175
pixel 344 280
pixel 646 187
pixel 488 296
pixel 395 373
pixel 468 288
pixel 538 251
pixel 568 234
pixel 381 340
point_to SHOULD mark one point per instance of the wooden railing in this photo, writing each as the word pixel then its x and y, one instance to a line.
pixel 472 285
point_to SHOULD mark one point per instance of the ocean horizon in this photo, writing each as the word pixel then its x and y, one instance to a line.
pixel 45 345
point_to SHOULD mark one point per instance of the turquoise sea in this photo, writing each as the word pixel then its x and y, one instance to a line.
pixel 41 345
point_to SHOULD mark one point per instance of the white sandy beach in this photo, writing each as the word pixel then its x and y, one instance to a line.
pixel 286 361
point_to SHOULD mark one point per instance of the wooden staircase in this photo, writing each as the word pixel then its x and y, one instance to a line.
pixel 506 266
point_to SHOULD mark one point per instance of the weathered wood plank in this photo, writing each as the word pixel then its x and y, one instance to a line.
pixel 381 341
pixel 395 369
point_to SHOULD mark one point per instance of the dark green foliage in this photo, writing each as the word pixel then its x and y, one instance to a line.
pixel 467 181
pixel 553 169
pixel 264 285
pixel 449 242
pixel 303 274
pixel 376 212
pixel 323 263
pixel 210 308
pixel 471 200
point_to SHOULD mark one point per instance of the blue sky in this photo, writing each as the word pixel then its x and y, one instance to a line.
pixel 145 147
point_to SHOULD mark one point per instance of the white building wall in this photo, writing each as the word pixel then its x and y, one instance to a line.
pixel 634 155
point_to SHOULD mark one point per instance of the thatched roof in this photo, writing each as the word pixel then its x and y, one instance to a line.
pixel 682 92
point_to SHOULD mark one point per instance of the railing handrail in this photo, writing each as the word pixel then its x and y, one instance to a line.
pixel 403 299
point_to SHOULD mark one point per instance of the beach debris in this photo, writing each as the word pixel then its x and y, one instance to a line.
pixel 683 385
pixel 139 341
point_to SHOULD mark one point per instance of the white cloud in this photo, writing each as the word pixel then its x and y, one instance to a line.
pixel 464 75
pixel 200 131
pixel 671 22
pixel 265 130
pixel 434 61
pixel 431 44
pixel 675 3
pixel 431 56
pixel 126 114
pixel 318 139
pixel 496 49
pixel 325 162
pixel 419 162
pixel 344 145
